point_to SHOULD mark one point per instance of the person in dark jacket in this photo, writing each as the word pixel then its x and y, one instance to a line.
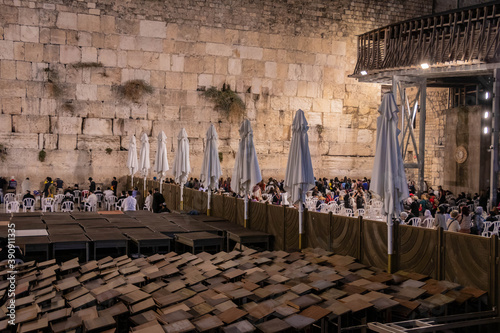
pixel 92 185
pixel 158 199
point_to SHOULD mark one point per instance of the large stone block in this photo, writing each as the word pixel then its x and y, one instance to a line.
pixel 28 16
pixel 19 140
pixel 89 54
pixel 5 123
pixel 300 103
pixel 107 57
pixel 50 141
pixel 67 142
pixel 86 92
pixel 91 23
pixel 156 29
pixel 67 21
pixel 108 24
pixel 11 105
pixel 6 49
pixel 31 106
pixel 177 63
pixel 48 106
pixel 219 49
pixel 149 44
pixel 70 54
pixel 57 36
pixel 30 34
pixel 234 66
pixel 94 126
pixel 8 69
pixel 98 142
pixel 66 125
pixel 10 88
pixel 33 52
pixel 129 127
pixel 30 124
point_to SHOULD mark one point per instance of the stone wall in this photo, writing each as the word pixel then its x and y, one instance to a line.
pixel 62 62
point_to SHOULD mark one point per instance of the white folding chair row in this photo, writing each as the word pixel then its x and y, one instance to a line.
pixel 8 198
pixel 489 233
pixel 58 200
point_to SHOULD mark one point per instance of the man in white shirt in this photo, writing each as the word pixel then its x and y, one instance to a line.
pixel 129 203
pixel 91 201
pixel 108 192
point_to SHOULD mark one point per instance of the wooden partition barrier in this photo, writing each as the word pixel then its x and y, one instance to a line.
pixel 469 260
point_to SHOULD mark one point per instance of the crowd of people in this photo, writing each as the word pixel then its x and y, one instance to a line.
pixel 463 213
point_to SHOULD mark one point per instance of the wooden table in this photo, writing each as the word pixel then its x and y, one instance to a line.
pixel 143 238
pixel 247 236
pixel 107 240
pixel 34 244
pixel 70 242
pixel 200 239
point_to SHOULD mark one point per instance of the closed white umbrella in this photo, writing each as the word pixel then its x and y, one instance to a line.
pixel 182 167
pixel 132 163
pixel 161 162
pixel 210 169
pixel 144 163
pixel 246 171
pixel 299 172
pixel 388 175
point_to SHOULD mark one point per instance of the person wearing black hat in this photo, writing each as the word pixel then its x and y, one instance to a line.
pixel 92 185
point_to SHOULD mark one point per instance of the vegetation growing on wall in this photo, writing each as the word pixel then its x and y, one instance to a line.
pixel 80 65
pixel 134 90
pixel 41 155
pixel 225 99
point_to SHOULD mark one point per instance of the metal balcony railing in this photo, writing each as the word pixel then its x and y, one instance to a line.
pixel 467 35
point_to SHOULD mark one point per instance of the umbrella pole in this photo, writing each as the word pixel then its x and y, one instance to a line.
pixel 208 202
pixel 301 223
pixel 132 181
pixel 144 187
pixel 245 214
pixel 390 232
pixel 161 183
pixel 181 205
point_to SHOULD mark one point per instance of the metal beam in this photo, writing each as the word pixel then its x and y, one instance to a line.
pixel 495 129
pixel 421 138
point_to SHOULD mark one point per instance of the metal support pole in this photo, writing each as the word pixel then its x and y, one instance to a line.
pixel 495 128
pixel 301 223
pixel 421 135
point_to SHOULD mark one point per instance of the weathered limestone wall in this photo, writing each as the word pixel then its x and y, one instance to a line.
pixel 279 57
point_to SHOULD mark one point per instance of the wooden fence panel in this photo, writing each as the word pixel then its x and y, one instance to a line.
pixel 467 259
pixel 217 205
pixel 230 208
pixel 188 199
pixel 240 207
pixel 197 200
pixel 258 216
pixel 276 225
pixel 292 228
pixel 418 250
pixel 345 234
pixel 374 243
pixel 318 230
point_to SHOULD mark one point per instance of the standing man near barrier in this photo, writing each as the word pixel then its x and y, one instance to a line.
pixel 158 199
pixel 114 184
pixel 129 203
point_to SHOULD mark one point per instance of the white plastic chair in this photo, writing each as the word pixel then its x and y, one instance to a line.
pixel 12 207
pixel 361 212
pixel 90 207
pixel 110 202
pixel 415 221
pixel 29 203
pixel 427 223
pixel 67 206
pixel 57 201
pixel 348 212
pixel 99 199
pixel 119 204
pixel 487 234
pixel 19 197
pixel 78 196
pixel 323 208
pixel 48 203
pixel 8 198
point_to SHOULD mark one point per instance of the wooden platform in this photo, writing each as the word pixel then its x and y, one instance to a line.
pixel 97 235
